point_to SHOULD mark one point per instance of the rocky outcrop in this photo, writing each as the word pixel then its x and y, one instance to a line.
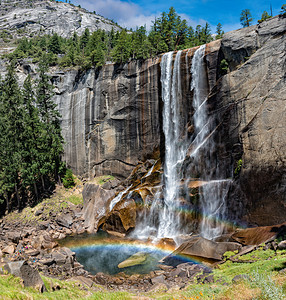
pixel 96 201
pixel 30 276
pixel 252 95
pixel 204 249
pixel 23 18
pixel 112 117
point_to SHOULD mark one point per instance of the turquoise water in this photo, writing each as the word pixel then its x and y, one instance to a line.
pixel 101 253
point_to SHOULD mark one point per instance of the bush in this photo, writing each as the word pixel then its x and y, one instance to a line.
pixel 223 66
pixel 68 180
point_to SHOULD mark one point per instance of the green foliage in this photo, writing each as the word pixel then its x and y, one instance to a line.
pixel 168 33
pixel 246 18
pixel 264 17
pixel 223 66
pixel 30 140
pixel 269 289
pixel 219 31
pixel 283 10
pixel 238 167
pixel 68 179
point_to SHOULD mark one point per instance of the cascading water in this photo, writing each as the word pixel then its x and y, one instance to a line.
pixel 178 147
pixel 215 189
pixel 175 146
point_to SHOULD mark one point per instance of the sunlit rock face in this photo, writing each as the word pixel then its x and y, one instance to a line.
pixel 24 18
pixel 110 117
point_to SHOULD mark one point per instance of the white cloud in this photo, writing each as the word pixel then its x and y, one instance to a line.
pixel 126 14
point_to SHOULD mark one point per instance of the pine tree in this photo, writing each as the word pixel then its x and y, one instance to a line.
pixel 246 18
pixel 219 31
pixel 11 127
pixel 264 17
pixel 32 132
pixel 51 138
pixel 122 50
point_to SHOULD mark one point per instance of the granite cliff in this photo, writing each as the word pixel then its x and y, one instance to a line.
pixel 112 116
pixel 22 18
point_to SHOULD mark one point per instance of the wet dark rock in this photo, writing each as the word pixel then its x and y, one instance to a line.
pixel 122 218
pixel 259 235
pixel 201 247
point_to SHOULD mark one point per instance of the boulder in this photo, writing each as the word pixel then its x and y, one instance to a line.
pixel 95 206
pixel 14 236
pixel 122 218
pixel 282 245
pixel 201 247
pixel 65 220
pixel 138 258
pixel 9 249
pixel 258 235
pixel 29 275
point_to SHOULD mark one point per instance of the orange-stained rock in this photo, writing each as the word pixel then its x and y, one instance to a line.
pixel 122 217
pixel 258 235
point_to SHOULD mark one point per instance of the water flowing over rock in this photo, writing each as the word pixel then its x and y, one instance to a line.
pixel 112 120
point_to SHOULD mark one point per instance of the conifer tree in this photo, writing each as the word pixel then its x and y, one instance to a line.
pixel 51 137
pixel 11 127
pixel 246 18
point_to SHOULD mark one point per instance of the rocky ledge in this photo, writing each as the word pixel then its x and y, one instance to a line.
pixel 30 244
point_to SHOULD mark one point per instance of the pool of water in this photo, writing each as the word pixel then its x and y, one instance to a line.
pixel 102 253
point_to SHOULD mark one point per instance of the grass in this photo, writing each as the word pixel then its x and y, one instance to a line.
pixel 11 288
pixel 264 283
pixel 100 180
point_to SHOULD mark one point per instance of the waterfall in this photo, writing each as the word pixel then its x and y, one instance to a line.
pixel 213 193
pixel 175 146
pixel 163 218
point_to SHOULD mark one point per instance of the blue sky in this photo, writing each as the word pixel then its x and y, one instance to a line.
pixel 140 12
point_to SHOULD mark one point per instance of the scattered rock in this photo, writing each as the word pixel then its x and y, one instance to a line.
pixel 30 276
pixel 158 279
pixel 282 245
pixel 9 249
pixel 65 220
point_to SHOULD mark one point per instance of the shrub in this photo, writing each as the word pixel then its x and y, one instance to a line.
pixel 223 66
pixel 68 180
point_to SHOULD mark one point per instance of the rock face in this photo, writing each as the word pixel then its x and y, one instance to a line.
pixel 254 94
pixel 27 18
pixel 95 206
pixel 112 117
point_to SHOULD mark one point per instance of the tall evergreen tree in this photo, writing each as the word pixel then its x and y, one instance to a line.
pixel 50 117
pixel 11 127
pixel 219 31
pixel 246 18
